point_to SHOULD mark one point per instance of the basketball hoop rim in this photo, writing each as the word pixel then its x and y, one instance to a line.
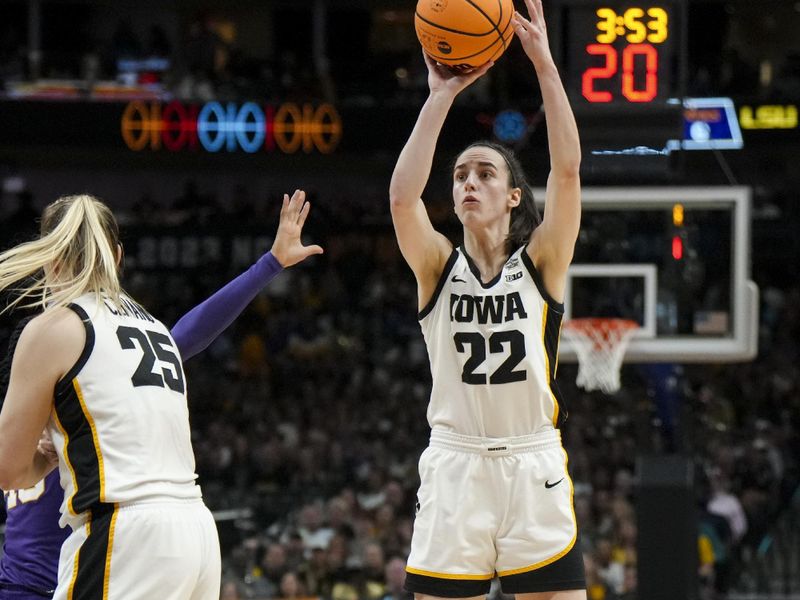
pixel 584 324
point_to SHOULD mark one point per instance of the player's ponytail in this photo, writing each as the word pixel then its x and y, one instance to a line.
pixel 76 253
pixel 525 216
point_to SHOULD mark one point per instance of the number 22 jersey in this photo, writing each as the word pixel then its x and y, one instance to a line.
pixel 120 423
pixel 493 349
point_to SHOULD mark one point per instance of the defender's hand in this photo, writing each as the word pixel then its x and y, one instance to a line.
pixel 46 448
pixel 288 248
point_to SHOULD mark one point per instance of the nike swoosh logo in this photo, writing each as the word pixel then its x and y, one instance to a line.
pixel 549 485
pixel 457 279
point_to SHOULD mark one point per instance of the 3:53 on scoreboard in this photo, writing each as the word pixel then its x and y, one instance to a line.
pixel 620 51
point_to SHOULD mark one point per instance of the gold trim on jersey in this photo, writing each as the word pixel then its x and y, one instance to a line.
pixel 69 464
pixel 449 575
pixel 95 439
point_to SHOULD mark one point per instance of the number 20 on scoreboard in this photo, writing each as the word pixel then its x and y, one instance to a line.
pixel 620 52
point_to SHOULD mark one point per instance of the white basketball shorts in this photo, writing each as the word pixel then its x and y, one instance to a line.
pixel 491 507
pixel 167 550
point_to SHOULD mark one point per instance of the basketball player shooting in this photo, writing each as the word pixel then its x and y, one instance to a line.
pixel 495 495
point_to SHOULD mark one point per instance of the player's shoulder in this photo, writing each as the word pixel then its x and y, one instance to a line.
pixel 59 325
pixel 50 344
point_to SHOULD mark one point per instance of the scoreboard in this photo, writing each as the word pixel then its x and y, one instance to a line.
pixel 620 52
pixel 623 63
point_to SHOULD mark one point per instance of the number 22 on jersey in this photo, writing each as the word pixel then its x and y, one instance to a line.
pixel 475 344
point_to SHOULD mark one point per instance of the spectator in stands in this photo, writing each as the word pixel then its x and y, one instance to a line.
pixel 231 590
pixel 291 587
pixel 395 576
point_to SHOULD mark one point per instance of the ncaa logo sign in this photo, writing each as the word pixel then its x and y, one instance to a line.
pixel 444 47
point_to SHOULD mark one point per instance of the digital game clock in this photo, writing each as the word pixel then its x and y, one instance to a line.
pixel 620 52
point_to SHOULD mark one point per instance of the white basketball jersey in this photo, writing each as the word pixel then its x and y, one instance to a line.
pixel 120 423
pixel 493 350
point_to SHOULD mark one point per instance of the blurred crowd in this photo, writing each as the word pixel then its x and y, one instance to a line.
pixel 205 59
pixel 308 418
pixel 367 55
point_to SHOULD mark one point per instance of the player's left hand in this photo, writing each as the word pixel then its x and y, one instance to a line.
pixel 288 248
pixel 532 34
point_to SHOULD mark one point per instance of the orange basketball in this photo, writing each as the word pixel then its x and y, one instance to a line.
pixel 464 33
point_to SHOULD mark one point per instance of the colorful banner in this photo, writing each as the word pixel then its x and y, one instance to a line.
pixel 231 127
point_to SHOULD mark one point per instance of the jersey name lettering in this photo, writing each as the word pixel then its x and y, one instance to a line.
pixel 129 309
pixel 486 309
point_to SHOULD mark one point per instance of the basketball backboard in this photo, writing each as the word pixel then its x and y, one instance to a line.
pixel 674 259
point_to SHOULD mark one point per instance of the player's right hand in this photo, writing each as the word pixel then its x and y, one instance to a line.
pixel 442 78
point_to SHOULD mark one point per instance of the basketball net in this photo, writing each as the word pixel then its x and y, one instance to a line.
pixel 600 344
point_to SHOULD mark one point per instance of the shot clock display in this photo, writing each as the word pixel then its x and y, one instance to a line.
pixel 620 52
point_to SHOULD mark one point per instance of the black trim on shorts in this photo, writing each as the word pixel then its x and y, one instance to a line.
pixel 92 556
pixel 448 266
pixel 567 573
pixel 446 588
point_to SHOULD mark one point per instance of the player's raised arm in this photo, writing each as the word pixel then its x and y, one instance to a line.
pixel 424 249
pixel 554 240
pixel 195 330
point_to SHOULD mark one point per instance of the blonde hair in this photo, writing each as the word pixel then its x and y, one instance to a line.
pixel 76 253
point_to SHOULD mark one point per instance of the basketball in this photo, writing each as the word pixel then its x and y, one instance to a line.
pixel 464 33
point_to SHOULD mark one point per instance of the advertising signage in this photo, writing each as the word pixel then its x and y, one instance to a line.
pixel 174 133
pixel 153 127
pixel 231 127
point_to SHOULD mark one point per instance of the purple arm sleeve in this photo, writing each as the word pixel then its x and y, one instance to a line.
pixel 195 330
